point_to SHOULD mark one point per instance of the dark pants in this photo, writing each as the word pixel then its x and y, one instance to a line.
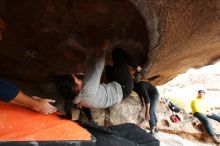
pixel 68 106
pixel 88 113
pixel 153 102
pixel 205 121
pixel 119 71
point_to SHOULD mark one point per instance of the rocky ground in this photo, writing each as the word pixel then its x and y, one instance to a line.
pixel 175 140
pixel 180 133
pixel 182 90
pixel 184 87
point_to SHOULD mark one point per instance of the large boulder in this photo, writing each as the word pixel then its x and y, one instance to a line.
pixel 127 111
pixel 47 37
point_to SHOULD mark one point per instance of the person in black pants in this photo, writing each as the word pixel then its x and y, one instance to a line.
pixel 149 93
pixel 90 93
pixel 119 71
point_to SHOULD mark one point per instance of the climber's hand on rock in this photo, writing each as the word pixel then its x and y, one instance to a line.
pixel 79 106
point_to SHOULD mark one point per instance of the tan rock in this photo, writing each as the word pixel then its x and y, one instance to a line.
pixel 126 112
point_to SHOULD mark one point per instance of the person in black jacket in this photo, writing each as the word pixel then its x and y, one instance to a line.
pixel 150 95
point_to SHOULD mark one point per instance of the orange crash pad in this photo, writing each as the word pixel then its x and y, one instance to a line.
pixel 20 124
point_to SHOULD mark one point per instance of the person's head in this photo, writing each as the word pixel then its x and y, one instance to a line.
pixel 201 93
pixel 2 27
pixel 78 81
pixel 69 85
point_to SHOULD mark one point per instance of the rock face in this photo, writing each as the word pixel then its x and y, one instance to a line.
pixel 127 111
pixel 47 37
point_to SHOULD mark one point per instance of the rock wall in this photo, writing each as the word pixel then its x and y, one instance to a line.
pixel 187 30
pixel 47 37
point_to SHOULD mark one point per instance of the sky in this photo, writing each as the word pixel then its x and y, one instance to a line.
pixel 215 68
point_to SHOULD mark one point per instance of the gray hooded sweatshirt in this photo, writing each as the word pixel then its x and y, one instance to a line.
pixel 96 95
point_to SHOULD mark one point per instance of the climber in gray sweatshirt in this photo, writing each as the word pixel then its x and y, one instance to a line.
pixel 87 91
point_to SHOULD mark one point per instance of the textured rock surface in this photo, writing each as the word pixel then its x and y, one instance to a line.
pixel 47 37
pixel 187 30
pixel 127 111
